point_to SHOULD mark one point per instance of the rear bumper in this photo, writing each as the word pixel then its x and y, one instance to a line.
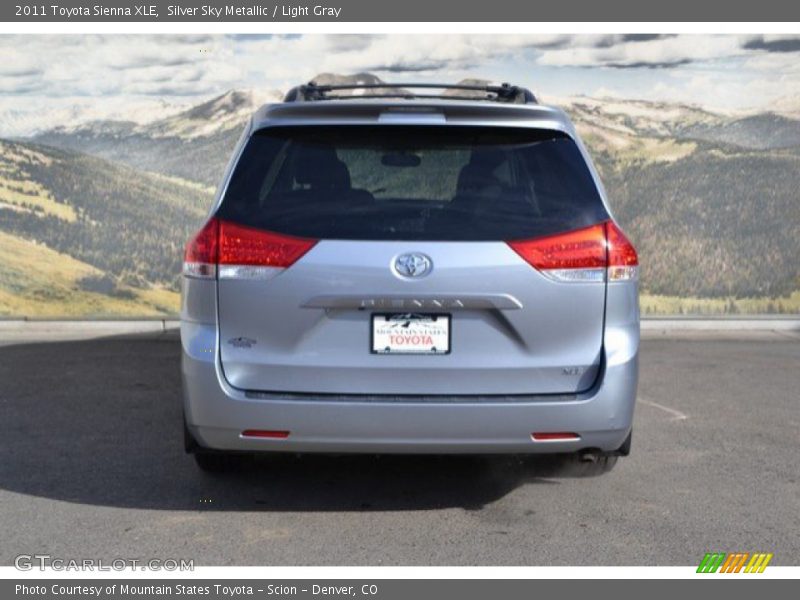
pixel 216 413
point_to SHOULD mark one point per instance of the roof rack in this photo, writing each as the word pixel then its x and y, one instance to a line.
pixel 505 92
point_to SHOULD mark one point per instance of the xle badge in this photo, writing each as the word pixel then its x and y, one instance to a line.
pixel 242 342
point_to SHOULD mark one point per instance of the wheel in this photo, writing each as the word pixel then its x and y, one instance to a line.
pixel 577 465
pixel 218 462
pixel 625 449
pixel 208 460
pixel 190 444
pixel 591 465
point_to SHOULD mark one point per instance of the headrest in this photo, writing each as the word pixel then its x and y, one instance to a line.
pixel 478 174
pixel 320 169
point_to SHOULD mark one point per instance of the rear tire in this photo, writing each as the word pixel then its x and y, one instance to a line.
pixel 625 449
pixel 210 461
pixel 592 465
pixel 218 462
pixel 190 444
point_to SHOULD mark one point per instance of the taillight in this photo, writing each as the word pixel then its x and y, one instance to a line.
pixel 246 246
pixel 234 251
pixel 623 262
pixel 578 255
pixel 584 255
pixel 200 257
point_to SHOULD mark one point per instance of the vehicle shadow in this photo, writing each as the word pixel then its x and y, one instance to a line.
pixel 99 422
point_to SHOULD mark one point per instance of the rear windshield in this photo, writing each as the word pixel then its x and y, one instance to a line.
pixel 398 182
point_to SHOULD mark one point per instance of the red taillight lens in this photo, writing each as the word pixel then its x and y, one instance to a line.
pixel 582 255
pixel 200 256
pixel 241 245
pixel 580 249
pixel 262 433
pixel 573 256
pixel 553 436
pixel 623 261
pixel 240 251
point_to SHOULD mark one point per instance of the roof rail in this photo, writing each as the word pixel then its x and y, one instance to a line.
pixel 505 92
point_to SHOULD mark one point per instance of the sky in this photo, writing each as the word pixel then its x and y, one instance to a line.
pixel 78 77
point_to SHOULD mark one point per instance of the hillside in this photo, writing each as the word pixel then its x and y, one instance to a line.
pixel 710 199
pixel 36 281
pixel 194 144
pixel 703 228
pixel 123 230
pixel 710 220
pixel 636 117
pixel 763 131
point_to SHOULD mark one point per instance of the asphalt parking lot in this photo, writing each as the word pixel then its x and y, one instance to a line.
pixel 92 466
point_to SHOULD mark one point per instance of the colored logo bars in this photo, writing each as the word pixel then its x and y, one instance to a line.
pixel 734 562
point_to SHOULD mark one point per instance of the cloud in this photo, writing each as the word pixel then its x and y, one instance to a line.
pixel 726 91
pixel 17 63
pixel 416 53
pixel 99 65
pixel 22 86
pixel 116 65
pixel 412 67
pixel 249 37
pixel 607 41
pixel 774 63
pixel 348 43
pixel 645 52
pixel 409 53
pixel 114 69
pixel 648 65
pixel 774 43
pixel 12 71
pixel 646 37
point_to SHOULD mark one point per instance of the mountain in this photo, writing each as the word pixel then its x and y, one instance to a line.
pixel 223 113
pixel 40 114
pixel 762 131
pixel 193 144
pixel 119 232
pixel 636 117
pixel 713 222
pixel 788 106
pixel 709 198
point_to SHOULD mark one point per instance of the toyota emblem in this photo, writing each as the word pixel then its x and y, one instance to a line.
pixel 413 264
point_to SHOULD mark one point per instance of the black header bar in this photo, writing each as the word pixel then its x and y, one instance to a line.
pixel 399 11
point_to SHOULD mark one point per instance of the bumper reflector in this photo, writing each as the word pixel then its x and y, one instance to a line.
pixel 559 436
pixel 261 433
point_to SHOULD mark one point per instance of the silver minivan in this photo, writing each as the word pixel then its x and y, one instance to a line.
pixel 390 271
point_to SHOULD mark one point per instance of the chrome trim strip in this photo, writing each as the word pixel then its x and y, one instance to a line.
pixel 248 272
pixel 416 302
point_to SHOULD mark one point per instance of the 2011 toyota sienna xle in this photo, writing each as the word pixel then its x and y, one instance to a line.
pixel 398 272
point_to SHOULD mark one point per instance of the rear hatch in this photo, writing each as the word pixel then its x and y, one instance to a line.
pixel 411 260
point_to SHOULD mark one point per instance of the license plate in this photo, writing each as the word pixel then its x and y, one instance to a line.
pixel 410 333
